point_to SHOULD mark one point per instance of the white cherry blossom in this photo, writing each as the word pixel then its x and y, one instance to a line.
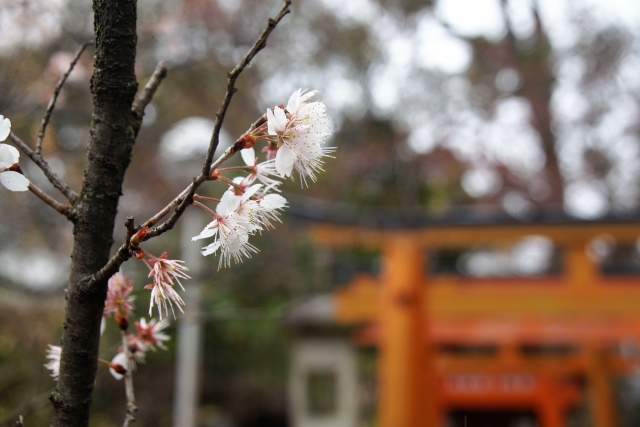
pixel 248 209
pixel 150 335
pixel 261 171
pixel 299 133
pixel 53 354
pixel 270 206
pixel 9 156
pixel 118 366
pixel 230 232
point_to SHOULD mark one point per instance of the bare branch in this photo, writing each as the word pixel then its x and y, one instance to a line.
pixel 185 198
pixel 65 210
pixel 143 97
pixel 260 44
pixel 128 383
pixel 54 97
pixel 44 166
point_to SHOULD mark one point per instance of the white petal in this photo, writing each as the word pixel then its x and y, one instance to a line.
pixel 103 325
pixel 281 119
pixel 209 230
pixel 273 201
pixel 119 359
pixel 14 181
pixel 228 204
pixel 212 248
pixel 8 155
pixel 284 161
pixel 271 122
pixel 294 102
pixel 5 128
pixel 308 95
pixel 250 192
pixel 249 156
pixel 235 242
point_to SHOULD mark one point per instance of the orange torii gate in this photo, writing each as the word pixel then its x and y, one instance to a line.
pixel 407 311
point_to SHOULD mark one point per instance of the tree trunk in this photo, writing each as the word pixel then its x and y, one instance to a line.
pixel 113 86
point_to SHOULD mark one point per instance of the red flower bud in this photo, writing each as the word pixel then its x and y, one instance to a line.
pixel 139 253
pixel 245 141
pixel 118 368
pixel 16 168
pixel 122 320
pixel 137 238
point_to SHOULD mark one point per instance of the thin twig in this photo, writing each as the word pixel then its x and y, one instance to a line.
pixel 179 204
pixel 65 210
pixel 186 200
pixel 54 97
pixel 231 183
pixel 237 168
pixel 143 97
pixel 128 383
pixel 260 44
pixel 212 199
pixel 46 169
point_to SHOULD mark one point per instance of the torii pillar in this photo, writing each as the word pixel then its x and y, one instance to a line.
pixel 406 396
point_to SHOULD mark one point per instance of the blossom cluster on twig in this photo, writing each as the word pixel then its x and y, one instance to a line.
pixel 148 336
pixel 294 137
pixel 251 204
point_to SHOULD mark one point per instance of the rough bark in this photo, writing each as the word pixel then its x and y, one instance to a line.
pixel 113 86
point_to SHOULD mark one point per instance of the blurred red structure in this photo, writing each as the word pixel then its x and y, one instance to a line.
pixel 447 342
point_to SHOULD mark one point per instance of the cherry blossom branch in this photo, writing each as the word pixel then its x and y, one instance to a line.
pixel 59 184
pixel 54 96
pixel 143 98
pixel 124 252
pixel 65 210
pixel 185 198
pixel 260 44
pixel 128 382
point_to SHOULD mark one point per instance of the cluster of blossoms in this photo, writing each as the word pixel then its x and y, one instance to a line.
pixel 148 336
pixel 294 137
pixel 251 204
pixel 166 273
pixel 10 175
pixel 119 302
